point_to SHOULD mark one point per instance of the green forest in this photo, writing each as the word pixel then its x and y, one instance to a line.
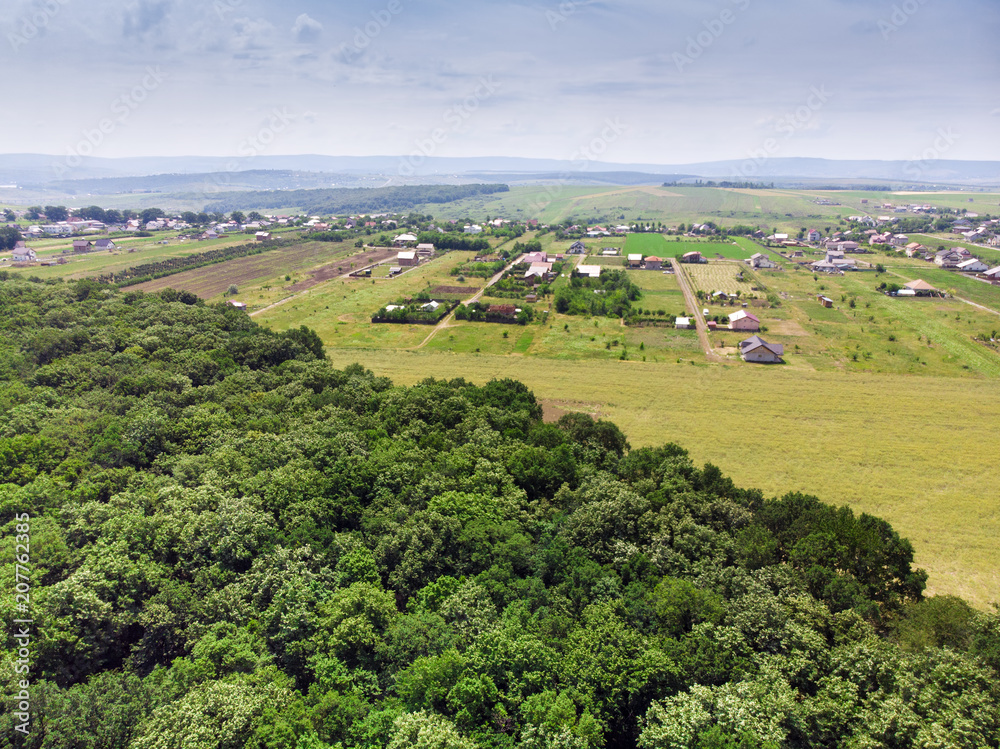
pixel 233 544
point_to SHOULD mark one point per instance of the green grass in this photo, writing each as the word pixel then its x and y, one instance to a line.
pixel 783 209
pixel 647 245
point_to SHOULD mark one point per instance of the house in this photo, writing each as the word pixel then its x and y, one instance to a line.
pixel 683 323
pixel 948 258
pixel 589 271
pixel 756 349
pixel 973 266
pixel 743 320
pixel 531 297
pixel 993 274
pixel 237 305
pixel 105 244
pixel 540 271
pixel 577 248
pixel 921 288
pixel 760 260
pixel 502 310
pixel 262 236
pixel 533 257
pixel 634 261
pixel 82 245
pixel 654 263
pixel 425 249
pixel 825 301
pixel 473 229
pixel 24 255
pixel 848 247
pixel 430 306
pixel 404 240
pixel 407 258
pixel 693 257
pixel 814 236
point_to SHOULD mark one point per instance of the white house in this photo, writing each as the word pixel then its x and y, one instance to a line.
pixel 683 323
pixel 973 266
pixel 760 260
pixel 24 255
pixel 590 271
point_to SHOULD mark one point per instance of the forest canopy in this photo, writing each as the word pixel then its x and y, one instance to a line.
pixel 234 544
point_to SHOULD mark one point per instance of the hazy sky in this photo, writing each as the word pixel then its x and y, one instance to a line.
pixel 648 81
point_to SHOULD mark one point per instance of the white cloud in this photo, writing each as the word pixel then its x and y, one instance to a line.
pixel 307 29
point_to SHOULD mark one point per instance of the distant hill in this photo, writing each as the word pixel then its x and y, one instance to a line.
pixel 50 171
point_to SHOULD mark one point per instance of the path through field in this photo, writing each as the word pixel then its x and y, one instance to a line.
pixel 692 303
pixel 474 298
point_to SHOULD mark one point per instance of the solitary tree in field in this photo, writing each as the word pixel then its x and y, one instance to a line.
pixel 233 290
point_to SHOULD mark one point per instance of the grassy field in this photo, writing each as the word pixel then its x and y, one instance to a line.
pixel 781 209
pixel 649 244
pixel 160 246
pixel 904 448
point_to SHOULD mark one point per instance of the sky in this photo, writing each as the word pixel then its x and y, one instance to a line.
pixel 640 81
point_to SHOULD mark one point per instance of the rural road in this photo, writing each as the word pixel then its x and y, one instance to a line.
pixel 692 304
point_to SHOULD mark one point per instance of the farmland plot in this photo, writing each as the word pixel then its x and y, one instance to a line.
pixel 721 277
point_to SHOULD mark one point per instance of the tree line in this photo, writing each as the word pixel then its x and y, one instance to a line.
pixel 352 200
